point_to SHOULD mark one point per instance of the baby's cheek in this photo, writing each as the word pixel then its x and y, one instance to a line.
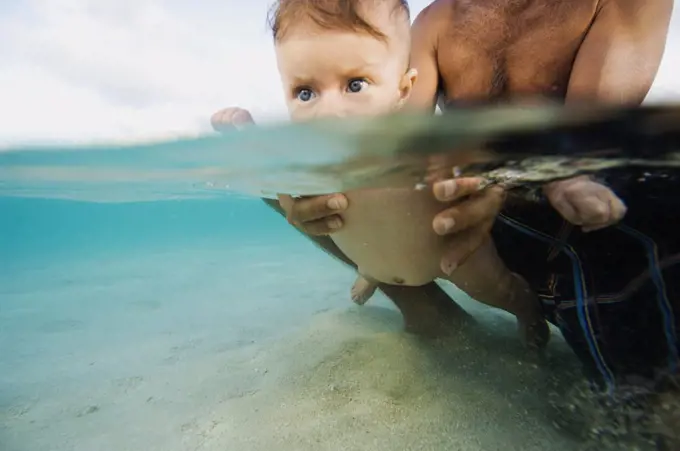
pixel 377 103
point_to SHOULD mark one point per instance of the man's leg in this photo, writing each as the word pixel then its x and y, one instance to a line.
pixel 427 310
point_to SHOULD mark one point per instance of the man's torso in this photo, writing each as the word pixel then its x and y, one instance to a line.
pixel 500 49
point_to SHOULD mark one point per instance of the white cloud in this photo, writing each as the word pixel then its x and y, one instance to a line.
pixel 81 70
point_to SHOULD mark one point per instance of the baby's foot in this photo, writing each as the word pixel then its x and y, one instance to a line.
pixel 585 202
pixel 363 289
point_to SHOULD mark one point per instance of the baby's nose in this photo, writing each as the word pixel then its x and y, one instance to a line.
pixel 331 108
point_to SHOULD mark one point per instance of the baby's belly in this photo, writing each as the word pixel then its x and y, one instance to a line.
pixel 388 234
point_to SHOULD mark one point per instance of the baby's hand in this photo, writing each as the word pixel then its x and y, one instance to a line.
pixel 584 202
pixel 229 118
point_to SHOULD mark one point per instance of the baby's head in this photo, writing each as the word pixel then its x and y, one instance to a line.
pixel 343 57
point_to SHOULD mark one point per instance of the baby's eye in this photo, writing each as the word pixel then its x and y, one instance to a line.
pixel 305 95
pixel 356 85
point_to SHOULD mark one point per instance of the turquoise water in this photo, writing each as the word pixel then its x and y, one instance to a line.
pixel 322 157
pixel 145 306
pixel 101 299
pixel 162 325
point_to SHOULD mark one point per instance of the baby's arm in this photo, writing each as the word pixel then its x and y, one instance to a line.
pixel 585 202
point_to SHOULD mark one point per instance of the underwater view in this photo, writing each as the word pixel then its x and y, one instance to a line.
pixel 200 324
pixel 147 306
pixel 437 236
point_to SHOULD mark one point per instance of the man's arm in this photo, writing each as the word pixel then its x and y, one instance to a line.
pixel 424 32
pixel 617 63
pixel 621 53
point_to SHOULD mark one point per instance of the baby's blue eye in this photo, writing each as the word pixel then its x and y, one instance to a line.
pixel 305 95
pixel 356 85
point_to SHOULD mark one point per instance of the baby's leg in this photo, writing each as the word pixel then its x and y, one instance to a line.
pixel 485 278
pixel 363 289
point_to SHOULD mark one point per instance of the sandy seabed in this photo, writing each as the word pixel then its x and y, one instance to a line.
pixel 97 364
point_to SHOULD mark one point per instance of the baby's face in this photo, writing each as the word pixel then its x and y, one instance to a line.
pixel 336 73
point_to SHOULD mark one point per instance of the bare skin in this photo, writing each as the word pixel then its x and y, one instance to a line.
pixel 592 50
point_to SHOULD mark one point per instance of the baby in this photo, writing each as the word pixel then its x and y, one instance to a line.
pixel 349 58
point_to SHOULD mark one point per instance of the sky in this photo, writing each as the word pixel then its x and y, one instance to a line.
pixel 127 70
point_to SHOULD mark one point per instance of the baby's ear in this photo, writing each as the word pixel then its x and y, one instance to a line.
pixel 406 85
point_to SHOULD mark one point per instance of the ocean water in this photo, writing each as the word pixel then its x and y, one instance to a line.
pixel 156 325
pixel 144 306
pixel 209 324
pixel 100 299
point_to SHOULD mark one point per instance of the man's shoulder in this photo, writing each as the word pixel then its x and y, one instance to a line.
pixel 436 12
pixel 435 19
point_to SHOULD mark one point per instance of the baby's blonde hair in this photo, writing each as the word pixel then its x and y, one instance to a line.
pixel 346 15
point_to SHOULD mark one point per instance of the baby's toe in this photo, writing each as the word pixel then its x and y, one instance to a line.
pixel 362 290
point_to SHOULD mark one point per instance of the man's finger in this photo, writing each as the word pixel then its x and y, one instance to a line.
pixel 453 189
pixel 321 226
pixel 324 226
pixel 478 209
pixel 309 209
pixel 464 244
pixel 286 202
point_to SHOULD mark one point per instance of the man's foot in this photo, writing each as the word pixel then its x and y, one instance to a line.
pixel 362 290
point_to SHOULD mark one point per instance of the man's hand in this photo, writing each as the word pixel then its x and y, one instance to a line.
pixel 315 215
pixel 469 221
pixel 584 202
